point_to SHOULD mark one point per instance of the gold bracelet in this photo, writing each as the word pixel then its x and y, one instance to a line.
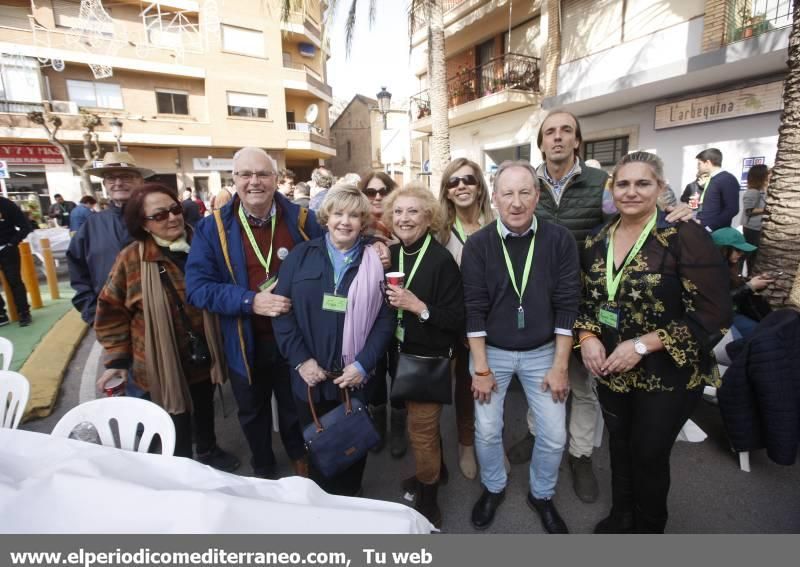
pixel 486 373
pixel 589 336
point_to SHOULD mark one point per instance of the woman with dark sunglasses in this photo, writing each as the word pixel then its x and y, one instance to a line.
pixel 464 198
pixel 145 324
pixel 377 185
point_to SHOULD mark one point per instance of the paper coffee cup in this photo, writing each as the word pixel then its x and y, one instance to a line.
pixel 396 278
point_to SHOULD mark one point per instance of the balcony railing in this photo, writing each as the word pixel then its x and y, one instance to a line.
pixel 305 127
pixel 749 18
pixel 16 107
pixel 510 71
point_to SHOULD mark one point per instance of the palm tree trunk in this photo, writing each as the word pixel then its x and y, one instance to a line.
pixel 437 71
pixel 780 233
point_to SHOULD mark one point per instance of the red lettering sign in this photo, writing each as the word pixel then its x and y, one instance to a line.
pixel 30 155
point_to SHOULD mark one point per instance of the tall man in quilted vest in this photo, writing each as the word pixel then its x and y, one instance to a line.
pixel 231 270
pixel 572 196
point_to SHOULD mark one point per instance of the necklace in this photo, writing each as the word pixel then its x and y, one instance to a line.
pixel 407 253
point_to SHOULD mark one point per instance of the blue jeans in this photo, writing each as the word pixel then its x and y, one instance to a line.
pixel 551 432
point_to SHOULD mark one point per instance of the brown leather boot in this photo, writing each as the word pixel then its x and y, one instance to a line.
pixel 300 467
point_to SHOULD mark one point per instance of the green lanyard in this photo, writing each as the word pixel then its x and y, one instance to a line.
pixel 460 231
pixel 252 239
pixel 417 262
pixel 703 194
pixel 612 282
pixel 525 273
pixel 337 280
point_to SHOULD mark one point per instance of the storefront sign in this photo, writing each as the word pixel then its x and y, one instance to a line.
pixel 30 155
pixel 212 164
pixel 729 104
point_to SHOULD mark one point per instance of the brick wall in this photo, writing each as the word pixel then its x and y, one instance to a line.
pixel 714 23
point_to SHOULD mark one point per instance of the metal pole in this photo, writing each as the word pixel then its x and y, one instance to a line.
pixel 28 270
pixel 50 268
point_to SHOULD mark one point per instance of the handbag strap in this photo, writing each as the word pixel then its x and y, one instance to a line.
pixel 162 272
pixel 348 407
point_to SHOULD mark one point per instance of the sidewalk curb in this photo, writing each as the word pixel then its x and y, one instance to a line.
pixel 46 366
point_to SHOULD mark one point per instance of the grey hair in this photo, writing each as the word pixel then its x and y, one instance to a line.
pixel 655 163
pixel 323 177
pixel 258 151
pixel 526 165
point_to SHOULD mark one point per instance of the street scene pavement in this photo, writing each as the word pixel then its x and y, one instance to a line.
pixel 709 494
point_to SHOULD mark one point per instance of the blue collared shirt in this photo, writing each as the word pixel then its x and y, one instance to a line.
pixel 559 185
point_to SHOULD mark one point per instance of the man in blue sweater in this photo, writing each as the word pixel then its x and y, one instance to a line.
pixel 521 306
pixel 719 202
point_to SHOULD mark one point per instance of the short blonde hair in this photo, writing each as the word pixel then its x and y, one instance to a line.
pixel 345 197
pixel 428 202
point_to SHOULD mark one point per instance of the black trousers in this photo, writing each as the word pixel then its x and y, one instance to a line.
pixel 752 237
pixel 270 373
pixel 10 264
pixel 199 424
pixel 642 427
pixel 347 482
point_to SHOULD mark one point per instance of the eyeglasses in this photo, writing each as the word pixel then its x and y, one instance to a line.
pixel 124 177
pixel 261 175
pixel 453 182
pixel 161 216
pixel 371 192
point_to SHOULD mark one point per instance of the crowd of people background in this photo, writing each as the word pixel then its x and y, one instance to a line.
pixel 584 286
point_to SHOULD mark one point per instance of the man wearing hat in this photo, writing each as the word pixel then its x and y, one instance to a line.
pixel 95 247
pixel 748 305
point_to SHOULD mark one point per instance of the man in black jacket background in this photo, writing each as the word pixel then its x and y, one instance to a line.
pixel 14 227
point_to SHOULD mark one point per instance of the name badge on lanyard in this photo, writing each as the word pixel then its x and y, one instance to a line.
pixel 399 332
pixel 267 282
pixel 609 316
pixel 335 303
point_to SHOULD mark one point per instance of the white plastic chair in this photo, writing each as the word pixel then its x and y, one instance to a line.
pixel 128 413
pixel 6 352
pixel 14 393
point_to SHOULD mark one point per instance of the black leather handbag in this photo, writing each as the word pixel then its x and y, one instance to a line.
pixel 341 437
pixel 422 378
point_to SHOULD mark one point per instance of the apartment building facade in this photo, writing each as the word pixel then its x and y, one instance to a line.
pixel 190 81
pixel 669 76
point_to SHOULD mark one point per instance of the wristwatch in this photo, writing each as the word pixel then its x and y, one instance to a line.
pixel 424 316
pixel 640 347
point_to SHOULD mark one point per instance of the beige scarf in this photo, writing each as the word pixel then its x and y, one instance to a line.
pixel 168 386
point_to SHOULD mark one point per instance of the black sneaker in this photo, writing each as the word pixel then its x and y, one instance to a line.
pixel 3 319
pixel 218 459
pixel 25 320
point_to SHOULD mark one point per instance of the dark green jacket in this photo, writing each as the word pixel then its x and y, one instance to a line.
pixel 580 208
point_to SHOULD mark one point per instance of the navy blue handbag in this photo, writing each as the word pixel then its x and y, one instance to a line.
pixel 341 437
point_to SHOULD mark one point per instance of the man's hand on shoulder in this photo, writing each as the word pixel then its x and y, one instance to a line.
pixel 679 213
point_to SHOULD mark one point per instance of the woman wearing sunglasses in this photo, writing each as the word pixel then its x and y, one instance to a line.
pixel 376 185
pixel 464 199
pixel 145 324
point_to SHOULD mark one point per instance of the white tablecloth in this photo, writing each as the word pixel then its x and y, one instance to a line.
pixel 56 485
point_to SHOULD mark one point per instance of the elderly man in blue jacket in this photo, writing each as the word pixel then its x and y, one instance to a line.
pixel 232 270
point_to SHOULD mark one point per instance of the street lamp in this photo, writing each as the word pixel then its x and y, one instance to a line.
pixel 384 102
pixel 116 131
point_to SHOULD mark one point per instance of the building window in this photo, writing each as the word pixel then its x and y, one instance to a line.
pixel 96 95
pixel 608 152
pixel 349 151
pixel 172 102
pixel 66 14
pixel 244 41
pixel 248 105
pixel 19 79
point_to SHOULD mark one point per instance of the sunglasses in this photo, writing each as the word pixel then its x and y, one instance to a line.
pixel 453 182
pixel 371 192
pixel 161 216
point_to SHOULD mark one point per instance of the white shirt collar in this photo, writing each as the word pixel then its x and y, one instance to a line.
pixel 506 232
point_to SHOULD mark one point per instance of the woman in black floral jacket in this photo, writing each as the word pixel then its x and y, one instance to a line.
pixel 654 304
